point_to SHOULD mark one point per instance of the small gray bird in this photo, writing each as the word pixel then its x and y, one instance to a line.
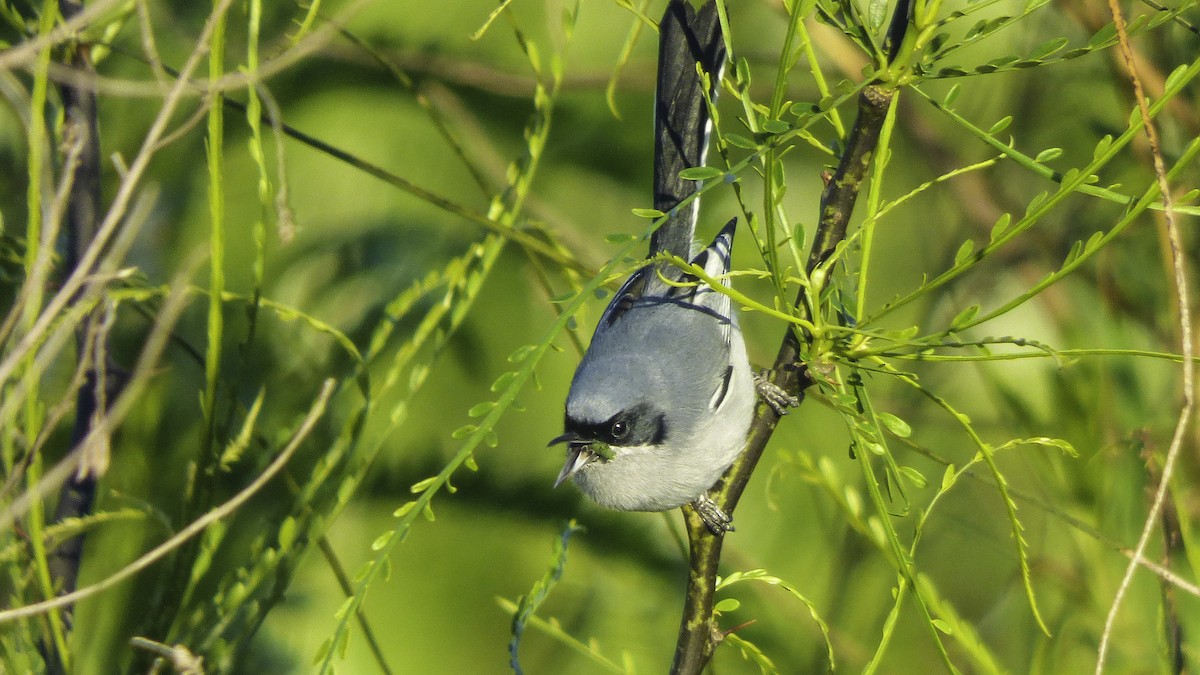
pixel 662 401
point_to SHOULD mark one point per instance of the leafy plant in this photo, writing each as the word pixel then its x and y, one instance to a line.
pixel 339 252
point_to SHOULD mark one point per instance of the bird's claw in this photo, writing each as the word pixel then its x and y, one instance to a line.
pixel 774 395
pixel 717 521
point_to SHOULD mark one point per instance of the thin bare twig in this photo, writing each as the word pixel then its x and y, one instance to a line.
pixel 1178 265
pixel 82 210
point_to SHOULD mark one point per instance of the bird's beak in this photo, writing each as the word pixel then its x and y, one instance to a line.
pixel 579 455
pixel 569 437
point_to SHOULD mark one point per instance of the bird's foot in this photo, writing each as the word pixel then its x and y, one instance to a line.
pixel 718 521
pixel 773 394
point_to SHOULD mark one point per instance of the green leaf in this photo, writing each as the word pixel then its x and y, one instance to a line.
pixel 1106 34
pixel 323 650
pixel 750 652
pixel 843 399
pixel 803 109
pixel 506 378
pixel 1038 199
pixel 853 502
pixel 963 318
pixel 1001 125
pixel 1001 226
pixel 727 605
pixel 965 253
pixel 344 608
pixel 1002 62
pixel 233 452
pixel 648 214
pixel 381 541
pixel 877 532
pixel 949 478
pixel 776 127
pixel 739 141
pixel 463 431
pixel 1076 249
pixel 521 353
pixel 1048 47
pixel 481 409
pixel 943 626
pixel 1064 446
pixel 529 603
pixel 903 335
pixel 701 173
pixel 1175 76
pixel 422 485
pixel 897 426
pixel 876 14
pixel 915 477
pixel 1048 154
pixel 742 72
pixel 287 533
pixel 936 43
pixel 951 96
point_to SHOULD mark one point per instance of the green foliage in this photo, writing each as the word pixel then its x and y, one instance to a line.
pixel 528 604
pixel 424 204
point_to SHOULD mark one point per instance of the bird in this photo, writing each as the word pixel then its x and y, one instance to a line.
pixel 663 398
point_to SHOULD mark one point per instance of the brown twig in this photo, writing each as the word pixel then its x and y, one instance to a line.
pixel 698 634
pixel 1179 277
pixel 83 206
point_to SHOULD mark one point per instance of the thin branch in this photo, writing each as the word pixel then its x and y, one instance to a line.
pixel 116 212
pixel 339 573
pixel 78 494
pixel 194 528
pixel 1178 265
pixel 103 427
pixel 697 633
pixel 20 55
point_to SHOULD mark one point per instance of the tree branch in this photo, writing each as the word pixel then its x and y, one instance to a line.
pixel 83 206
pixel 698 634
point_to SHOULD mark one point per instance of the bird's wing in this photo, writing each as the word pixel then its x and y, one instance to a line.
pixel 715 261
pixel 629 293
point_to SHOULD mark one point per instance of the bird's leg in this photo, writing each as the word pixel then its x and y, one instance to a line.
pixel 718 521
pixel 773 394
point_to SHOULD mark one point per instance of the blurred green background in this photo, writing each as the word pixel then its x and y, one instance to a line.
pixel 359 242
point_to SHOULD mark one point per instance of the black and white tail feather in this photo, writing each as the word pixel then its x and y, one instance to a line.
pixel 682 124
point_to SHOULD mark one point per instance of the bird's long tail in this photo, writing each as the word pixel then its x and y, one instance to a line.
pixel 681 120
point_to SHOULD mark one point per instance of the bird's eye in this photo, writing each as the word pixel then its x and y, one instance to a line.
pixel 619 429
